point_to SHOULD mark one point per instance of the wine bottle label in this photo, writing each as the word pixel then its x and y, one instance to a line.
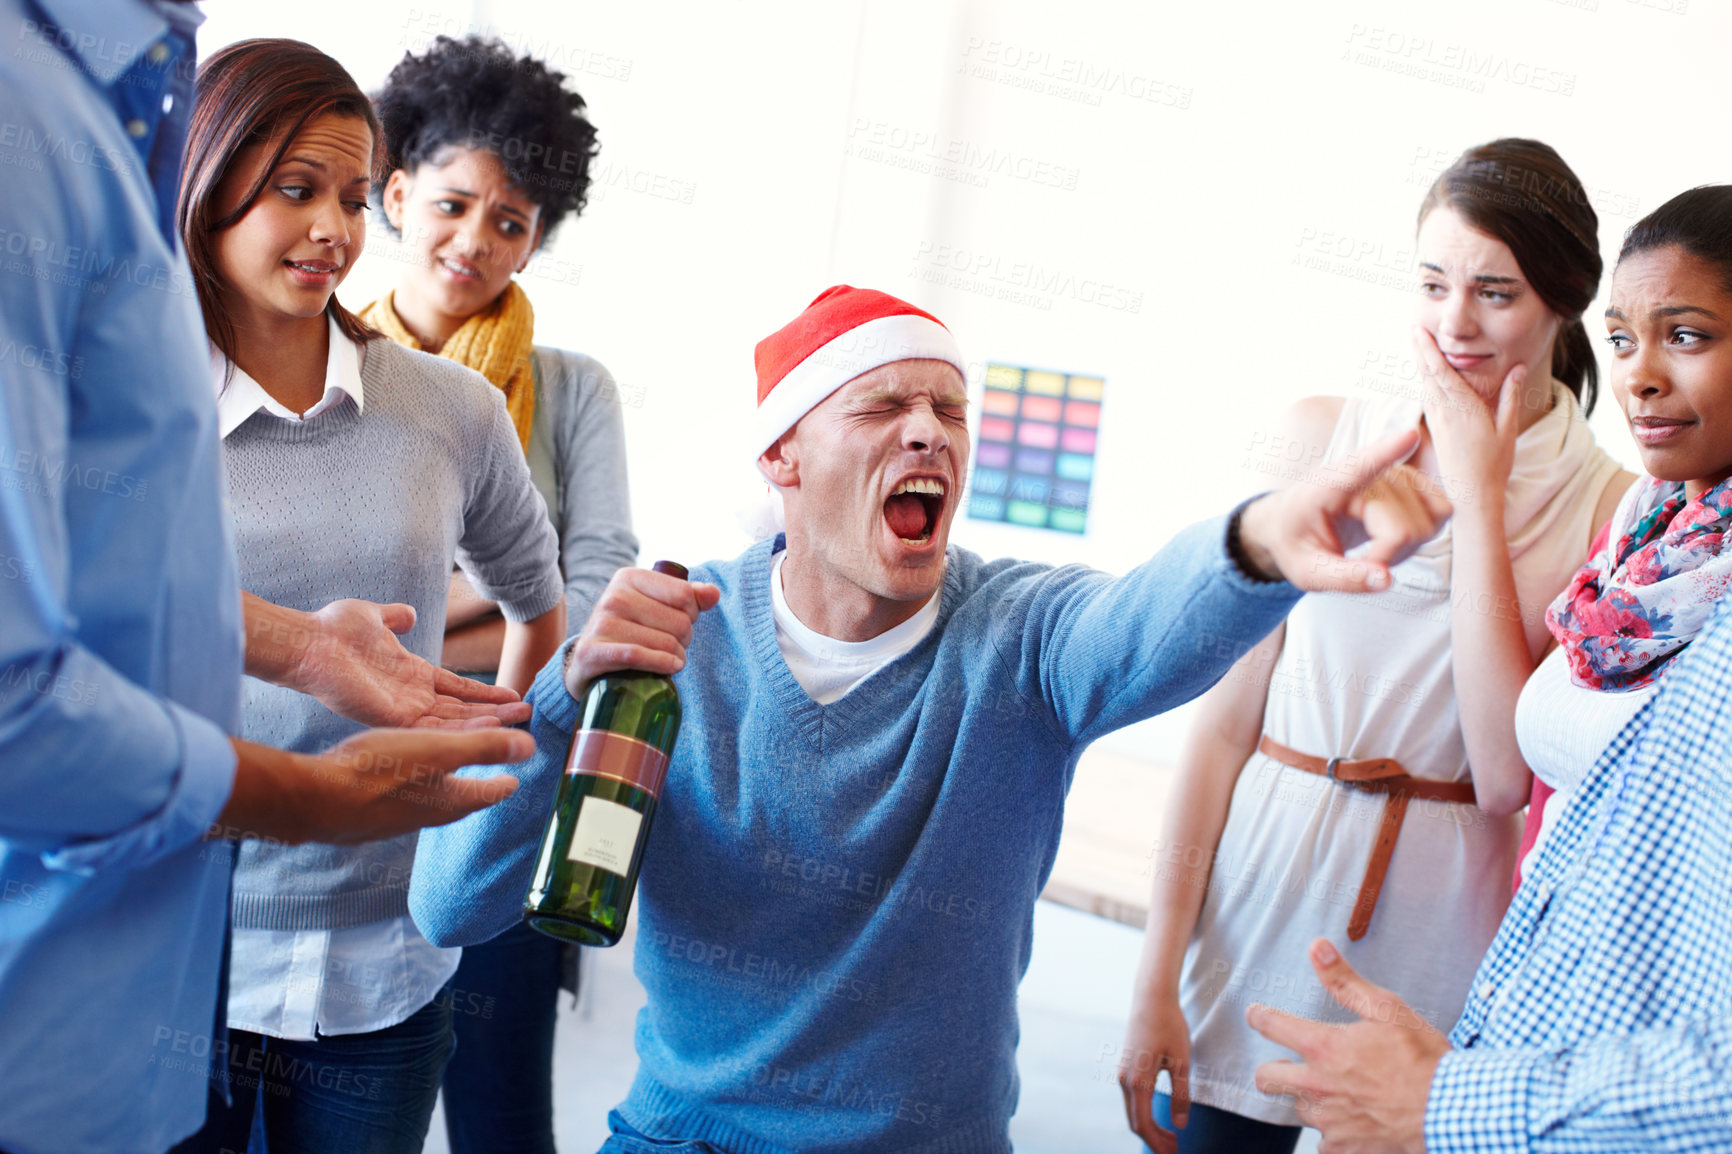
pixel 605 836
pixel 604 753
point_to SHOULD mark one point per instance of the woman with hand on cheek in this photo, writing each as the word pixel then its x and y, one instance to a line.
pixel 488 152
pixel 1661 564
pixel 1357 777
pixel 356 468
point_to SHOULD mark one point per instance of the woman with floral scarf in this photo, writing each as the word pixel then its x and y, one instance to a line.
pixel 1661 563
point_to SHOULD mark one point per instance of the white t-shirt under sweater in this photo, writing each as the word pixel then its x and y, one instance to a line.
pixel 1362 676
pixel 827 668
pixel 1562 728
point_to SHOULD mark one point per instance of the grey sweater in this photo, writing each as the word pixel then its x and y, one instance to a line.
pixel 375 503
pixel 577 458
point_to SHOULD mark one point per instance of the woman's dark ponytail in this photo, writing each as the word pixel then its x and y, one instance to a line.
pixel 1573 363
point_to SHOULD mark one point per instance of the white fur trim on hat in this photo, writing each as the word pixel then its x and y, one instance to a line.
pixel 904 337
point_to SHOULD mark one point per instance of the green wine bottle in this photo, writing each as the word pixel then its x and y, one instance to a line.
pixel 590 856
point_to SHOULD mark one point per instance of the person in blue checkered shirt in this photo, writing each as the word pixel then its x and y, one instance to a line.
pixel 1601 1017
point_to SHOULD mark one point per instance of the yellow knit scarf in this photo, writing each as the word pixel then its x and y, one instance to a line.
pixel 496 342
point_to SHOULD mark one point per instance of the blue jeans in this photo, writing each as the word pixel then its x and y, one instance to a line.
pixel 1212 1131
pixel 354 1093
pixel 626 1140
pixel 499 1083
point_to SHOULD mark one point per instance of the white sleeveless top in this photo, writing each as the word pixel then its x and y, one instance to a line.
pixel 1364 676
pixel 1562 728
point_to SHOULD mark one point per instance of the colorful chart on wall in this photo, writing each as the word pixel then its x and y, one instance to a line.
pixel 1034 458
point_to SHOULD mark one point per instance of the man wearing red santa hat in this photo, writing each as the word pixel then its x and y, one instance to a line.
pixel 837 897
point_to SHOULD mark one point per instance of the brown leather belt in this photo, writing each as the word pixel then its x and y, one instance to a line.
pixel 1376 775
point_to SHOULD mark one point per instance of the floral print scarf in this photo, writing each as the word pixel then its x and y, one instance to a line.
pixel 1642 598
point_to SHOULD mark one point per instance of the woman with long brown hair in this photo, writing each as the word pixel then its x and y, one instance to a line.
pixel 356 468
pixel 1358 775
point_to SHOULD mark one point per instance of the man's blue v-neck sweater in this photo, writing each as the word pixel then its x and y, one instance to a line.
pixel 837 901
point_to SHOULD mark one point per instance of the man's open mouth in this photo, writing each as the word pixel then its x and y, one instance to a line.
pixel 914 509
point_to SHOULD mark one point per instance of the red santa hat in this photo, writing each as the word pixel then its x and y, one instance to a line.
pixel 846 331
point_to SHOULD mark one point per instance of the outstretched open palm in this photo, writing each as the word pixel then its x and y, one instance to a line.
pixel 355 665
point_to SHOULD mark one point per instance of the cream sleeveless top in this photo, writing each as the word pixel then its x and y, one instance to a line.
pixel 1370 676
pixel 1562 728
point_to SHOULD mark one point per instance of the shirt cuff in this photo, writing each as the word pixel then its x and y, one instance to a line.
pixel 1231 559
pixel 1482 1101
pixel 553 702
pixel 201 789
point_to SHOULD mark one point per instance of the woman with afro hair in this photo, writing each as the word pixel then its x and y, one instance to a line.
pixel 487 152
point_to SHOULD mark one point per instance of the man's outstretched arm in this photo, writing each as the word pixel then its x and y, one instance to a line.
pixel 1105 653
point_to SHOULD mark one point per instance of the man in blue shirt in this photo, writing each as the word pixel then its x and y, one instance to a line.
pixel 1601 1018
pixel 121 627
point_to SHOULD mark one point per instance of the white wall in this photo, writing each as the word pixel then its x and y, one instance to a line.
pixel 1209 205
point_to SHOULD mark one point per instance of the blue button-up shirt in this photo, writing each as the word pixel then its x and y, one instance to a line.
pixel 1601 1017
pixel 120 633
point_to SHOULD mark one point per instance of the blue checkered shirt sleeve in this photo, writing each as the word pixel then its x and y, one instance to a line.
pixel 1601 1017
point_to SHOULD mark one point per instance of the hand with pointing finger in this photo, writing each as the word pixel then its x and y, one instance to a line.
pixel 1301 533
pixel 1364 1085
